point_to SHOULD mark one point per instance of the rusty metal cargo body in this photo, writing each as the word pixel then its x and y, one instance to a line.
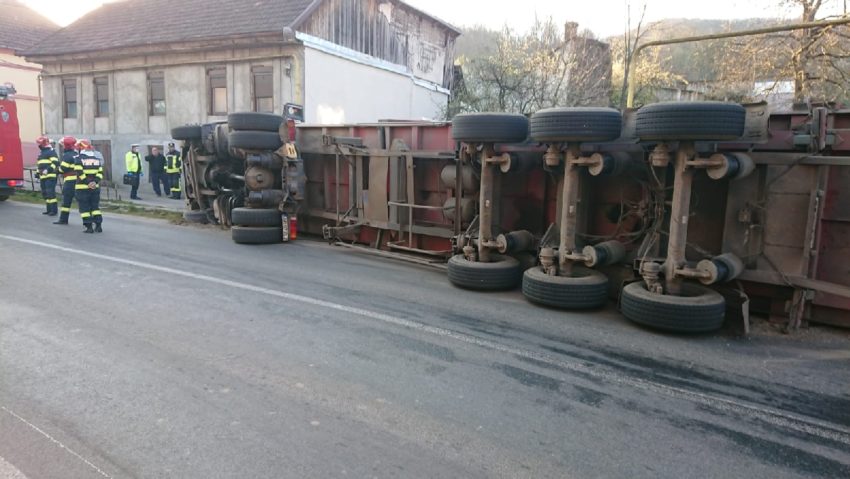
pixel 392 186
pixel 791 220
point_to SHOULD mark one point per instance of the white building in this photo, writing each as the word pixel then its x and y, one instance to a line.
pixel 130 71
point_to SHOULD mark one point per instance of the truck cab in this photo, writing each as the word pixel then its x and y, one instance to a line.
pixel 11 155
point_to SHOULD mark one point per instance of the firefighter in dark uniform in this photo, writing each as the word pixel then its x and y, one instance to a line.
pixel 47 164
pixel 89 174
pixel 67 168
pixel 173 166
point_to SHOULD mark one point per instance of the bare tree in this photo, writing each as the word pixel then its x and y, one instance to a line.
pixel 548 66
pixel 631 37
pixel 815 60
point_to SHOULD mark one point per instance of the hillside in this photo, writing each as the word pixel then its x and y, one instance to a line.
pixel 693 61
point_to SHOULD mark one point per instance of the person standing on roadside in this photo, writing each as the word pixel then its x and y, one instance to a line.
pixel 67 168
pixel 47 164
pixel 133 163
pixel 173 166
pixel 156 168
pixel 89 175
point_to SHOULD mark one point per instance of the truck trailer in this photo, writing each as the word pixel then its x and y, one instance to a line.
pixel 688 215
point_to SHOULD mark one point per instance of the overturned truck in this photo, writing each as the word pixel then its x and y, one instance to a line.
pixel 687 214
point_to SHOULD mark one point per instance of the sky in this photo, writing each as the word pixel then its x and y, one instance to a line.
pixel 603 17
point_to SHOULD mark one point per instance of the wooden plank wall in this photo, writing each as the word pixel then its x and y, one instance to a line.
pixel 389 31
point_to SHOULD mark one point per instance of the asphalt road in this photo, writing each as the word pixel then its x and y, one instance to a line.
pixel 155 350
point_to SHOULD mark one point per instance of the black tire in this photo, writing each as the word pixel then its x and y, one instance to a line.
pixel 254 140
pixel 186 132
pixel 4 197
pixel 576 124
pixel 490 127
pixel 698 120
pixel 585 289
pixel 254 121
pixel 698 310
pixel 256 234
pixel 502 273
pixel 255 217
pixel 196 216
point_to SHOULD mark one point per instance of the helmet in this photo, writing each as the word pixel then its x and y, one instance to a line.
pixel 83 144
pixel 69 142
pixel 42 141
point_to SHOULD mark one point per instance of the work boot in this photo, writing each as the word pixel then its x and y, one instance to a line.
pixel 98 228
pixel 45 212
pixel 88 228
pixel 52 213
pixel 63 219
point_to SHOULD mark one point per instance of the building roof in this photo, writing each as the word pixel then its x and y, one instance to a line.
pixel 21 27
pixel 132 23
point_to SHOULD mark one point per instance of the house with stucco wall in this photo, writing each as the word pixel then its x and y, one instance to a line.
pixel 130 71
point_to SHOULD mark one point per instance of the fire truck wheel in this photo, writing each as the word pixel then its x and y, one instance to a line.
pixel 490 127
pixel 256 234
pixel 254 121
pixel 698 310
pixel 255 217
pixel 557 125
pixel 502 273
pixel 585 289
pixel 186 132
pixel 254 140
pixel 196 216
pixel 696 120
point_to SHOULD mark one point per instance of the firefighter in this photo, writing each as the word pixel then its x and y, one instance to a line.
pixel 47 164
pixel 89 174
pixel 67 168
pixel 173 167
pixel 133 161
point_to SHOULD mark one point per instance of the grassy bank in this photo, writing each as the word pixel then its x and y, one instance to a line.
pixel 111 206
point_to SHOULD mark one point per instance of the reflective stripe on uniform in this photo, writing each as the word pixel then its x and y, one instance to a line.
pixel 85 215
pixel 65 209
pixel 96 213
pixel 51 201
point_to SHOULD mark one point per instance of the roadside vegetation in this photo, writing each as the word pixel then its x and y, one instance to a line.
pixel 111 206
pixel 550 65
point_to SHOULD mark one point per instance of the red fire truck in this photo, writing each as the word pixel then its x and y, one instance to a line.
pixel 11 155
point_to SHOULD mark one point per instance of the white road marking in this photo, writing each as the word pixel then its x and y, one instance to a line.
pixel 54 441
pixel 807 425
pixel 8 471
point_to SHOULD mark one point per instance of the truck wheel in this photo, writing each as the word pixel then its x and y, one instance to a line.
pixel 196 216
pixel 258 178
pixel 698 310
pixel 502 273
pixel 256 234
pixel 585 289
pixel 186 132
pixel 490 127
pixel 556 125
pixel 254 140
pixel 255 217
pixel 696 120
pixel 254 121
